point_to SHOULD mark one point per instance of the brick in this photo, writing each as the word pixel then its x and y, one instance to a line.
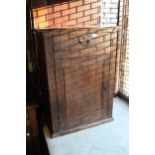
pixel 76 15
pixel 92 11
pixel 58 10
pixel 95 16
pixel 60 7
pixel 43 25
pixel 42 12
pixel 84 7
pixel 54 15
pixel 61 19
pixel 36 26
pixel 35 14
pixel 95 5
pixel 80 25
pixel 51 22
pixel 50 9
pixel 57 25
pixel 40 19
pixel 69 11
pixel 69 23
pixel 83 19
pixel 93 22
pixel 75 4
pixel 90 1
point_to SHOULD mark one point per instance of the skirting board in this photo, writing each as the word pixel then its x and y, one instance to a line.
pixel 81 127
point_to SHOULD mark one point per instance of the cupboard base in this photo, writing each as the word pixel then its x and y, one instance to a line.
pixel 64 132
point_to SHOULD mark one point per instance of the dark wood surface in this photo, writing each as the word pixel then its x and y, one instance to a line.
pixel 35 141
pixel 32 133
pixel 77 77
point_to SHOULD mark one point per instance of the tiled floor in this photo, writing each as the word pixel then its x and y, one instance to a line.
pixel 106 139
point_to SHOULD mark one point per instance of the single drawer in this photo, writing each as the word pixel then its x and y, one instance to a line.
pixel 77 42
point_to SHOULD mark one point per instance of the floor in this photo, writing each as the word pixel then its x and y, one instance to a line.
pixel 106 139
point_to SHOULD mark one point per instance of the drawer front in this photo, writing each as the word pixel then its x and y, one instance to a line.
pixel 78 43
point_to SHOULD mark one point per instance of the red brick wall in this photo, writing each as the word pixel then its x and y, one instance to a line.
pixel 79 13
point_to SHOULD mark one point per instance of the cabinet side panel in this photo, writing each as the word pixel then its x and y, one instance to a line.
pixel 52 90
pixel 47 83
pixel 44 98
pixel 112 69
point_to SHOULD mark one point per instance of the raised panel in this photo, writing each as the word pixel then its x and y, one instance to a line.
pixel 82 93
pixel 83 96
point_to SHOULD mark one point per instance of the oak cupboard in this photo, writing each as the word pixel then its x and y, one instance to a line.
pixel 77 67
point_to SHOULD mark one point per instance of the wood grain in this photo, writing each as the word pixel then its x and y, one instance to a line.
pixel 79 77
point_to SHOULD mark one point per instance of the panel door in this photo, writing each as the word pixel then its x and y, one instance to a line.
pixel 82 82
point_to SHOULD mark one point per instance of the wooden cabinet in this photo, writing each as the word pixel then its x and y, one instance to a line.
pixel 77 69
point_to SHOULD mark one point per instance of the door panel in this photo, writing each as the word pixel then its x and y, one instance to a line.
pixel 83 96
pixel 81 91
